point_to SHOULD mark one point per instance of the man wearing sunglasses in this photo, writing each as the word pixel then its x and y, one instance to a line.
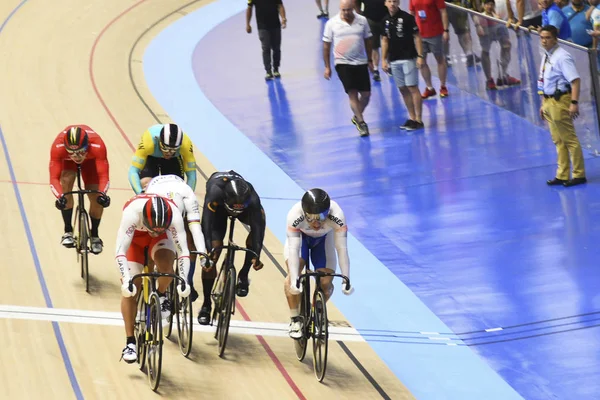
pixel 229 194
pixel 316 229
pixel 79 144
pixel 163 150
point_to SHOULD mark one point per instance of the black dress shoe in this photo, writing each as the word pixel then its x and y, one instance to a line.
pixel 556 181
pixel 574 181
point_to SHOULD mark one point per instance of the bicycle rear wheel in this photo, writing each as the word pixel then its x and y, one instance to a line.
pixel 84 248
pixel 300 344
pixel 320 335
pixel 226 310
pixel 185 320
pixel 154 342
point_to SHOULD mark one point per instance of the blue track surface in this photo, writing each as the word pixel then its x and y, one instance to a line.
pixel 460 213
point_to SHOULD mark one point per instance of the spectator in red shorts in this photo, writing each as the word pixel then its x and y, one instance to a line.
pixel 79 144
pixel 432 20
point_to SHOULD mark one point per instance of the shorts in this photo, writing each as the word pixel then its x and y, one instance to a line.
pixel 136 254
pixel 162 166
pixel 433 45
pixel 321 251
pixel 354 77
pixel 88 170
pixel 497 33
pixel 377 31
pixel 405 72
pixel 459 20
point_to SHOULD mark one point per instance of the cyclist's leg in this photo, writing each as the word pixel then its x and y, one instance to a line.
pixel 208 277
pixel 243 285
pixel 295 328
pixel 90 178
pixel 67 180
pixel 324 259
pixel 135 260
pixel 163 253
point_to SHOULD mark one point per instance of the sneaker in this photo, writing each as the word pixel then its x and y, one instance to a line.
pixel 323 15
pixel 376 76
pixel 67 240
pixel 204 315
pixel 406 124
pixel 243 287
pixel 165 306
pixel 490 85
pixel 96 245
pixel 363 128
pixel 411 125
pixel 268 76
pixel 510 81
pixel 193 294
pixel 444 91
pixel 448 61
pixel 276 74
pixel 428 93
pixel 500 82
pixel 418 125
pixel 295 330
pixel 470 60
pixel 129 354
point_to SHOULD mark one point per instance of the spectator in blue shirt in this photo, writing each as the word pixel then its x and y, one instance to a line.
pixel 553 15
pixel 576 13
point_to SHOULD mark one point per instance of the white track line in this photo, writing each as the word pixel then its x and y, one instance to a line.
pixel 271 329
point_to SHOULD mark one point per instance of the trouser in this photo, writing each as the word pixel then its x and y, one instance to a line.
pixel 564 137
pixel 270 40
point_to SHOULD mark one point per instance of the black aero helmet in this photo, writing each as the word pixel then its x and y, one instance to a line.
pixel 171 136
pixel 315 204
pixel 236 196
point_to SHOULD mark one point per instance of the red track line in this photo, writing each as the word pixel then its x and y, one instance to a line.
pixel 262 341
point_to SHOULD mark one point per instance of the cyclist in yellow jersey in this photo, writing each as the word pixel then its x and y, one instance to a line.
pixel 163 150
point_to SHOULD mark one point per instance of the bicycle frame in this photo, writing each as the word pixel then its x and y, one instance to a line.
pixel 81 218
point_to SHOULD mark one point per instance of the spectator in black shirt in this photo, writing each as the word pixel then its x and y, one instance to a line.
pixel 374 11
pixel 269 31
pixel 402 50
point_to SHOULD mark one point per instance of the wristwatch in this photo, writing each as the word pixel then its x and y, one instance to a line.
pixel 574 102
pixel 420 55
pixel 446 30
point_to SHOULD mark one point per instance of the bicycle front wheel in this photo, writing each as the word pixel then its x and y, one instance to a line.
pixel 185 320
pixel 320 335
pixel 84 234
pixel 226 310
pixel 154 342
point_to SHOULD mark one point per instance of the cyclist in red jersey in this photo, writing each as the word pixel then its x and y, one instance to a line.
pixel 79 144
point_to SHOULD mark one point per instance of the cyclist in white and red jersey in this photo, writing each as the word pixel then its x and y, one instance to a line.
pixel 316 228
pixel 175 188
pixel 149 221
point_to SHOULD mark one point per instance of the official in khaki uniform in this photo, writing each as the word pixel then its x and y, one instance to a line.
pixel 559 85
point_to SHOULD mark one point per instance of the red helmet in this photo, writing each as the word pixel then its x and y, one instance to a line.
pixel 76 139
pixel 157 214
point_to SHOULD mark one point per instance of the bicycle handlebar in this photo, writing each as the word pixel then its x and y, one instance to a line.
pixel 157 275
pixel 234 247
pixel 84 191
pixel 322 274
